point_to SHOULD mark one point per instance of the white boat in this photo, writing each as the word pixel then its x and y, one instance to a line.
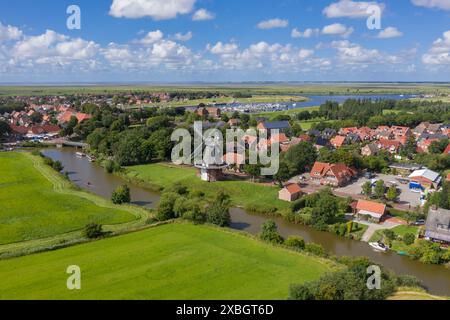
pixel 378 246
pixel 80 154
pixel 91 158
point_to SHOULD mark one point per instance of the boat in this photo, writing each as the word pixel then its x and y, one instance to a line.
pixel 91 158
pixel 378 246
pixel 80 154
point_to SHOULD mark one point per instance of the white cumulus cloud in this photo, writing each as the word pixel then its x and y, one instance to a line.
pixel 273 23
pixel 350 9
pixel 308 33
pixel 155 9
pixel 389 32
pixel 152 37
pixel 337 29
pixel 436 4
pixel 439 53
pixel 9 32
pixel 183 36
pixel 202 15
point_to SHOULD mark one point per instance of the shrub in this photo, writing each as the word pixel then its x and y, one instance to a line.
pixel 315 249
pixel 409 281
pixel 295 242
pixel 389 234
pixel 121 195
pixel 219 215
pixel 166 205
pixel 93 231
pixel 409 239
pixel 269 232
pixel 57 165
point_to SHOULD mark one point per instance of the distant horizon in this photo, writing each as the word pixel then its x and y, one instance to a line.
pixel 183 83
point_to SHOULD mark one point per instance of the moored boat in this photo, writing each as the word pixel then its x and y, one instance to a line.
pixel 378 246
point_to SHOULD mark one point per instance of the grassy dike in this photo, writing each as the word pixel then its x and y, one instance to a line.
pixel 41 209
pixel 173 261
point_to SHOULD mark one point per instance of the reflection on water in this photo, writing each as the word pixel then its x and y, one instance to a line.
pixel 92 177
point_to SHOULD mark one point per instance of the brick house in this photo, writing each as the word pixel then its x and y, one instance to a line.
pixel 335 175
pixel 290 192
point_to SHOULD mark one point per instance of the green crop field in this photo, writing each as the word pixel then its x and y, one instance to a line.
pixel 36 202
pixel 176 261
pixel 242 192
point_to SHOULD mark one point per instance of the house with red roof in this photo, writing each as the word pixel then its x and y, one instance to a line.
pixel 335 175
pixel 338 141
pixel 369 210
pixel 392 146
pixel 291 192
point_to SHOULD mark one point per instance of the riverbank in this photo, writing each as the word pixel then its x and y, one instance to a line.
pixel 43 209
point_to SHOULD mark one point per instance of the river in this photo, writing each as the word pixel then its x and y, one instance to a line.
pixel 92 177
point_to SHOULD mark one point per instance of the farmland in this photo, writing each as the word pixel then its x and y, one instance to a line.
pixel 175 261
pixel 37 202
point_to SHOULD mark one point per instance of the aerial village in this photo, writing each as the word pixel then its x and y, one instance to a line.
pixel 411 184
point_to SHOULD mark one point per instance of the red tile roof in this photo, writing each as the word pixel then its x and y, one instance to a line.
pixel 374 207
pixel 338 141
pixel 293 188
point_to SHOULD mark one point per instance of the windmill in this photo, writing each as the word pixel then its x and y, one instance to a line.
pixel 210 164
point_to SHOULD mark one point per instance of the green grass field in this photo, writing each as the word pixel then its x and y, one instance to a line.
pixel 242 193
pixel 37 203
pixel 176 261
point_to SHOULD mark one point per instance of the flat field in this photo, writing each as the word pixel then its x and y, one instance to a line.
pixel 175 261
pixel 36 202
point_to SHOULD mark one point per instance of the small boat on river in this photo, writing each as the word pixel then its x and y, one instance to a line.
pixel 378 246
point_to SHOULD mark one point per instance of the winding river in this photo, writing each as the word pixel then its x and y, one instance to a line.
pixel 91 177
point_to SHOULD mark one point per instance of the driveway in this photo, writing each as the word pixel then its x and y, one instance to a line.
pixel 373 227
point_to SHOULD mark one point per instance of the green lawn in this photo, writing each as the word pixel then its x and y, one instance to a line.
pixel 176 261
pixel 397 245
pixel 36 202
pixel 242 193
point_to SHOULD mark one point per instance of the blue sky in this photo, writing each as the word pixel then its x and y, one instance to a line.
pixel 224 40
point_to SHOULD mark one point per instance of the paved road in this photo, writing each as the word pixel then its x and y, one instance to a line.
pixel 375 227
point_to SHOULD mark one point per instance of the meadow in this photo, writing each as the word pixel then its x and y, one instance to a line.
pixel 246 88
pixel 37 202
pixel 174 261
pixel 242 193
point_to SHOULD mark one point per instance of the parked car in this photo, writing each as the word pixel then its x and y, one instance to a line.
pixel 369 175
pixel 419 223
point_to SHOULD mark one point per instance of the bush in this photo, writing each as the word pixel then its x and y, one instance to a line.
pixel 261 209
pixel 315 249
pixel 295 242
pixel 389 234
pixel 166 205
pixel 409 281
pixel 303 292
pixel 57 165
pixel 269 232
pixel 409 239
pixel 93 231
pixel 121 195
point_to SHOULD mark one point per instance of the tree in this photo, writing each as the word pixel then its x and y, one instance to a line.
pixel 219 212
pixel 367 189
pixel 300 157
pixel 437 147
pixel 283 173
pixel 409 238
pixel 253 170
pixel 4 129
pixel 121 195
pixel 392 193
pixel 93 231
pixel 379 189
pixel 269 232
pixel 165 210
